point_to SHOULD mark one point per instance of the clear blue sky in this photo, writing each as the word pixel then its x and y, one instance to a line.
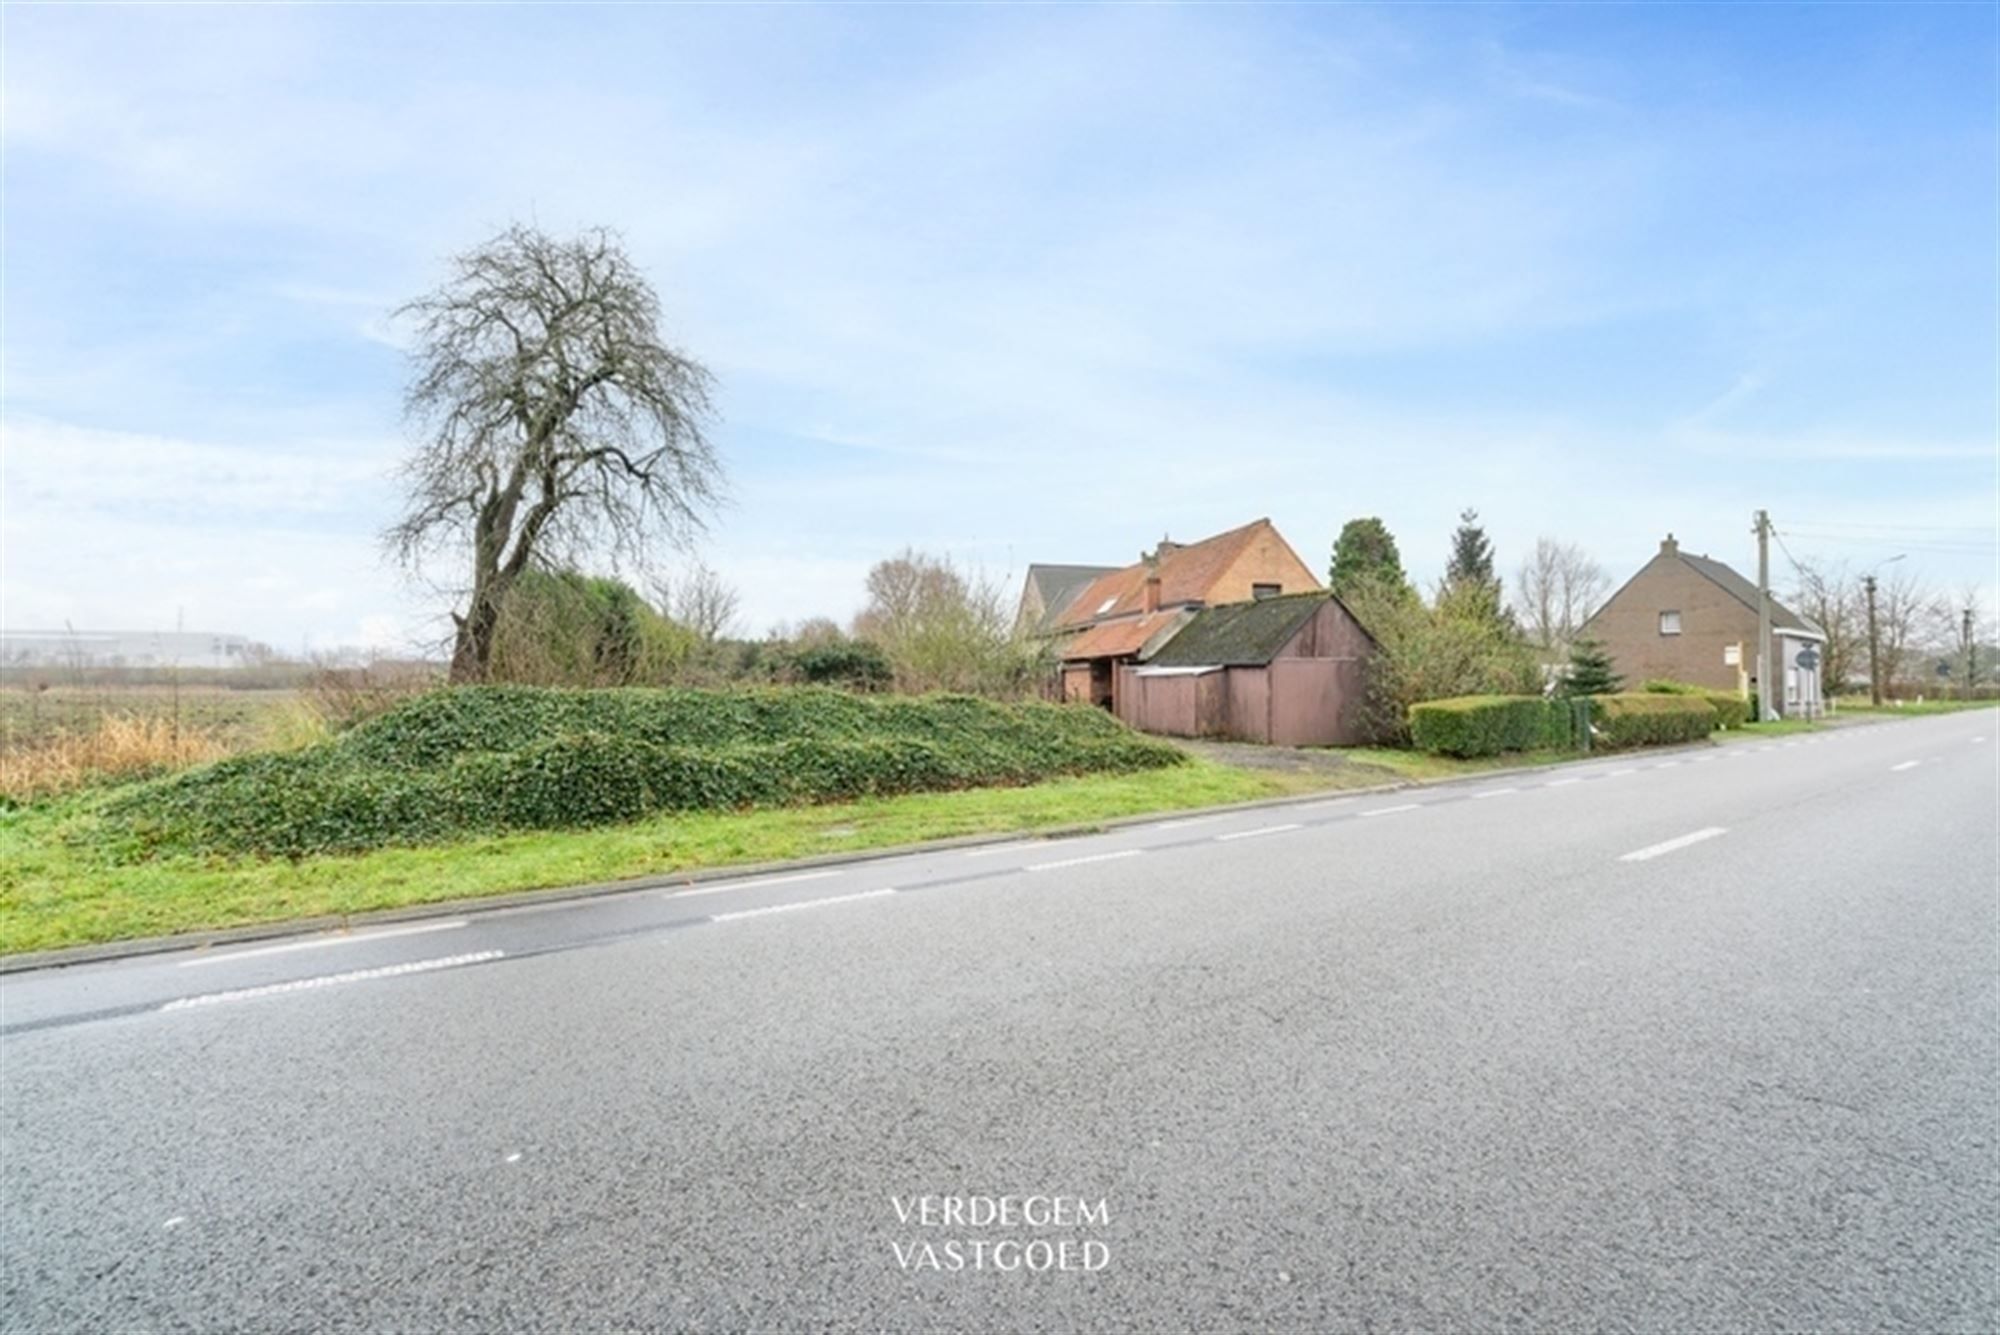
pixel 1016 283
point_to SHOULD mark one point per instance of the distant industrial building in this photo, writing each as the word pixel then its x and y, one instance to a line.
pixel 127 648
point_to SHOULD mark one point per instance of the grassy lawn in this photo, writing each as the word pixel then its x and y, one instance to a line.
pixel 57 890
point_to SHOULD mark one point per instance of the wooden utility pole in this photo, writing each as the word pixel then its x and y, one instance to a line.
pixel 1766 678
pixel 1874 644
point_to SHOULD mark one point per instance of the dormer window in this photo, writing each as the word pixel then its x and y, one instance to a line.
pixel 1670 623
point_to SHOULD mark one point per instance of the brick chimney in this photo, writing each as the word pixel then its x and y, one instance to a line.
pixel 1668 547
pixel 1151 601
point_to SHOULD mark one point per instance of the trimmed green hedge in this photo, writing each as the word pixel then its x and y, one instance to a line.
pixel 1486 725
pixel 486 759
pixel 1731 710
pixel 1650 719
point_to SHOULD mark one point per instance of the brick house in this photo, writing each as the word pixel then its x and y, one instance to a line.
pixel 1123 616
pixel 1284 671
pixel 1693 619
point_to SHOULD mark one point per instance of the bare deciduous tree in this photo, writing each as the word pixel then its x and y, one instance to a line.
pixel 556 420
pixel 816 631
pixel 1557 588
pixel 943 629
pixel 1829 595
pixel 1905 611
pixel 705 603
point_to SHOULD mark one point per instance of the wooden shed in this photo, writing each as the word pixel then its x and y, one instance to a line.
pixel 1285 671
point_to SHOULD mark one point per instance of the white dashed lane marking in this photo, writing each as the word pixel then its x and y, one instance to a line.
pixel 1564 783
pixel 1667 846
pixel 992 849
pixel 1907 764
pixel 1078 862
pixel 319 943
pixel 1495 792
pixel 333 980
pixel 1252 834
pixel 802 904
pixel 756 884
pixel 1385 811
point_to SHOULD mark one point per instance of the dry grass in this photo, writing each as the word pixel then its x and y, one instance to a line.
pixel 120 746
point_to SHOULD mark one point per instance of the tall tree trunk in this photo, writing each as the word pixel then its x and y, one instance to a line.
pixel 472 653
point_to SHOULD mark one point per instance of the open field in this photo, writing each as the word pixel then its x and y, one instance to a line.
pixel 65 737
pixel 240 720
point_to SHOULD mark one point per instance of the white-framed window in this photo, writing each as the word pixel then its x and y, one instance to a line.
pixel 1670 623
pixel 1263 591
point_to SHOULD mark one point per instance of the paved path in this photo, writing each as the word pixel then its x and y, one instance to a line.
pixel 1695 1042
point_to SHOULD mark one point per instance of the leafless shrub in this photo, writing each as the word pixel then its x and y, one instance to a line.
pixel 346 695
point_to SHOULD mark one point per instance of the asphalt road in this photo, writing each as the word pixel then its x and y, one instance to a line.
pixel 1707 1041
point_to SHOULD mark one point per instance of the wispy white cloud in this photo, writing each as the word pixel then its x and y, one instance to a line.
pixel 1019 284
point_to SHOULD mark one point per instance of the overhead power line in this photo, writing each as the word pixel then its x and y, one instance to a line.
pixel 1945 547
pixel 1977 529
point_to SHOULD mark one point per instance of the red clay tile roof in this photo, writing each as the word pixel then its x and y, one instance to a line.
pixel 1119 639
pixel 1187 574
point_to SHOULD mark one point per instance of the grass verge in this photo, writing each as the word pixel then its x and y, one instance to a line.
pixel 56 891
pixel 1391 765
pixel 1908 708
pixel 1778 727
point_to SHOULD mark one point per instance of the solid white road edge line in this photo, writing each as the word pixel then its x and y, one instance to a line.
pixel 1907 764
pixel 339 939
pixel 1252 834
pixel 757 884
pixel 1078 862
pixel 333 979
pixel 802 904
pixel 1384 811
pixel 1654 850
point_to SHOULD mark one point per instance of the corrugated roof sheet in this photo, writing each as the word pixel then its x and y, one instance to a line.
pixel 1240 634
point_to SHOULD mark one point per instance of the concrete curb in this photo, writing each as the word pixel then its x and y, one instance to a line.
pixel 105 951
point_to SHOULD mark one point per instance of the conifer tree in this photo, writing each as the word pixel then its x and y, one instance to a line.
pixel 1590 670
